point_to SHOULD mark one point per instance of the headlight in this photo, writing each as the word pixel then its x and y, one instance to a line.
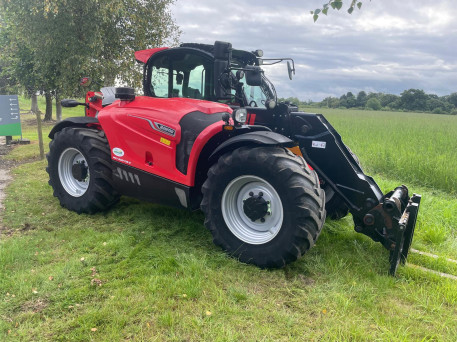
pixel 271 104
pixel 240 115
pixel 258 53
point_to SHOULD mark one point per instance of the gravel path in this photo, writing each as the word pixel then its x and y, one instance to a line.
pixel 5 177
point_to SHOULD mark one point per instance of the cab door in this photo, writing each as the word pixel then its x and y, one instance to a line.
pixel 181 72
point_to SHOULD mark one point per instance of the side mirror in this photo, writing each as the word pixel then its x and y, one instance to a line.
pixel 71 103
pixel 85 82
pixel 220 78
pixel 223 50
pixel 290 70
pixel 222 57
pixel 253 75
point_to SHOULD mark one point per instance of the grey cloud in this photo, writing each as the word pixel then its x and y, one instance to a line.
pixel 388 46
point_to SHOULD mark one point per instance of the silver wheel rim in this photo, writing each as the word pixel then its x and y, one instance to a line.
pixel 252 232
pixel 68 158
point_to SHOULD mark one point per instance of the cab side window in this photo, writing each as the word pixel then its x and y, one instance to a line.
pixel 181 75
pixel 196 86
pixel 159 81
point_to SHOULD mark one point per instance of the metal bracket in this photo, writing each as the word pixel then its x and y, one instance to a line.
pixel 404 232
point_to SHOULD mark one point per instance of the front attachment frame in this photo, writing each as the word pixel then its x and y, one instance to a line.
pixel 389 219
pixel 404 234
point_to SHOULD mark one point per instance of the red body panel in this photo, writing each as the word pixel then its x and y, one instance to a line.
pixel 94 106
pixel 136 139
pixel 144 55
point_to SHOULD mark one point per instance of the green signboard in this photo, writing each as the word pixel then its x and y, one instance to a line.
pixel 10 122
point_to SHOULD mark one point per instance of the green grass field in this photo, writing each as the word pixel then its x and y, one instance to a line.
pixel 144 272
pixel 419 148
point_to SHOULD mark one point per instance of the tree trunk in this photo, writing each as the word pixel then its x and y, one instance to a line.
pixel 58 108
pixel 48 114
pixel 40 134
pixel 34 108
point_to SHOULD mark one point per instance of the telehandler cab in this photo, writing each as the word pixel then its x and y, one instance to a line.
pixel 209 133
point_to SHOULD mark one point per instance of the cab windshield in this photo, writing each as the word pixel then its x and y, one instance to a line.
pixel 257 96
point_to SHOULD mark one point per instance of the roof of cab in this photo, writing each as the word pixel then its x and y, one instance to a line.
pixel 143 56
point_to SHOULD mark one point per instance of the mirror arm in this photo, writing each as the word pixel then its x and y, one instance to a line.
pixel 279 60
pixel 242 69
pixel 67 103
pixel 83 104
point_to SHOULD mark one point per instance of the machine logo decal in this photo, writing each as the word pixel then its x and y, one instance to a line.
pixel 122 160
pixel 318 144
pixel 118 152
pixel 165 129
pixel 158 126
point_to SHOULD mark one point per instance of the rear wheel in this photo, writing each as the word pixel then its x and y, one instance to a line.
pixel 79 168
pixel 263 205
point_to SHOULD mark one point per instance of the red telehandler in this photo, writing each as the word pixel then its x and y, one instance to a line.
pixel 210 134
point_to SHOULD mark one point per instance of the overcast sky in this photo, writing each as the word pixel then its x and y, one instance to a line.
pixel 388 46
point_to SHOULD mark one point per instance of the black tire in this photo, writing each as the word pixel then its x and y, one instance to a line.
pixel 95 185
pixel 335 206
pixel 301 199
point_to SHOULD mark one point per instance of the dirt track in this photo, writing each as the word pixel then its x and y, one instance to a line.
pixel 5 177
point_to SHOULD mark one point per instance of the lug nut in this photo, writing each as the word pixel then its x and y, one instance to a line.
pixel 251 194
pixel 260 193
pixel 262 220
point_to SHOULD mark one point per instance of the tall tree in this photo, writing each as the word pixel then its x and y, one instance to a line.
pixel 413 99
pixel 452 98
pixel 16 58
pixel 361 99
pixel 351 100
pixel 67 39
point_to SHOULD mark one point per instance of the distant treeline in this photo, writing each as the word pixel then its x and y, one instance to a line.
pixel 412 100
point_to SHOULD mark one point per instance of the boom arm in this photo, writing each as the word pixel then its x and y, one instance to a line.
pixel 389 219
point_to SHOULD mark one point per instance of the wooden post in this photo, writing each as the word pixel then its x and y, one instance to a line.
pixel 40 134
pixel 58 107
pixel 34 108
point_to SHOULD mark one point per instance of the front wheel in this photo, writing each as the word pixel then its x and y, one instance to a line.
pixel 79 168
pixel 263 205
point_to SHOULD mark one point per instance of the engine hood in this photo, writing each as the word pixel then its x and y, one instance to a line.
pixel 173 108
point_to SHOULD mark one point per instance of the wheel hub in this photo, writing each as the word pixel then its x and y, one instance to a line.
pixel 252 209
pixel 79 171
pixel 256 207
pixel 74 172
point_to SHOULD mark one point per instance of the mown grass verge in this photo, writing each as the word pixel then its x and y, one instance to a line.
pixel 146 272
